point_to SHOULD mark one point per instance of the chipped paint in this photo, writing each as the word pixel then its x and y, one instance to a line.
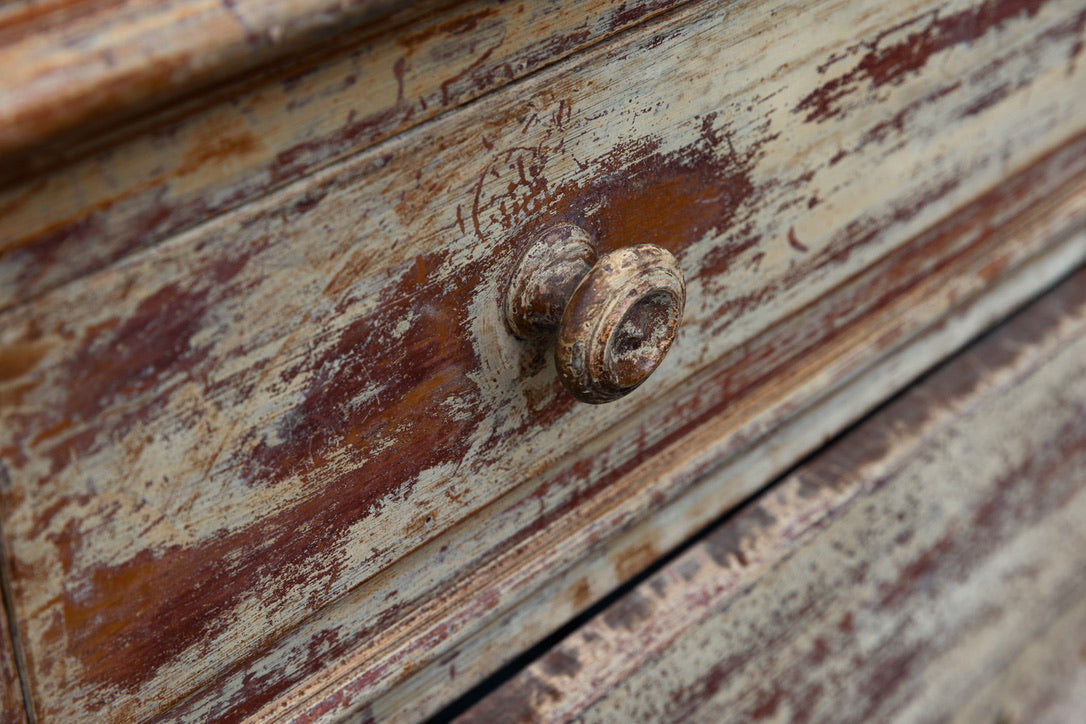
pixel 255 460
pixel 60 223
pixel 932 543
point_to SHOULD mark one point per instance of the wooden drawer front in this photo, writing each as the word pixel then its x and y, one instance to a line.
pixel 313 401
pixel 897 576
pixel 280 122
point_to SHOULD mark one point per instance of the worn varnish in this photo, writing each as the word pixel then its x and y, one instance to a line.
pixel 251 466
pixel 273 124
pixel 932 550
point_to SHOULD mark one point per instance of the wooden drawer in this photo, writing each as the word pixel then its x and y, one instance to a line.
pixel 290 462
pixel 930 565
pixel 73 199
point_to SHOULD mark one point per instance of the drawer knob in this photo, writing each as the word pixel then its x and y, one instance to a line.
pixel 615 315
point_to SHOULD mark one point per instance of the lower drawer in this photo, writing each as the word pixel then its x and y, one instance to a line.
pixel 929 563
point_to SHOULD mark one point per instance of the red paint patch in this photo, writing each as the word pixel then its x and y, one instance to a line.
pixel 881 63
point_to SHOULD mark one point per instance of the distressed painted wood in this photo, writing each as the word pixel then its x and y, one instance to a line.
pixel 720 460
pixel 889 578
pixel 74 63
pixel 132 189
pixel 252 466
pixel 1045 684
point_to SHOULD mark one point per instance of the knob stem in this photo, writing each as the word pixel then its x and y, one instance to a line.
pixel 545 277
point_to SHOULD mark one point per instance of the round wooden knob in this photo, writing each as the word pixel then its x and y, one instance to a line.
pixel 616 316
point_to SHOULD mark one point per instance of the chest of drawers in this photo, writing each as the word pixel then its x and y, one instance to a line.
pixel 269 449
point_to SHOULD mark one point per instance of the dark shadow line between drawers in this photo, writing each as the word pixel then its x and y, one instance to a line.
pixel 494 681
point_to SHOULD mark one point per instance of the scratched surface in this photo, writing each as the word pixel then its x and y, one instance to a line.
pixel 312 401
pixel 74 64
pixel 134 189
pixel 932 555
pixel 726 433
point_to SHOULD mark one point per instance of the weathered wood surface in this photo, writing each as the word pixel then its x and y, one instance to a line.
pixel 131 190
pixel 889 578
pixel 1045 684
pixel 70 64
pixel 314 399
pixel 732 453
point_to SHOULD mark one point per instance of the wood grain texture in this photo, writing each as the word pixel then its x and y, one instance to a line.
pixel 136 186
pixel 889 578
pixel 274 444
